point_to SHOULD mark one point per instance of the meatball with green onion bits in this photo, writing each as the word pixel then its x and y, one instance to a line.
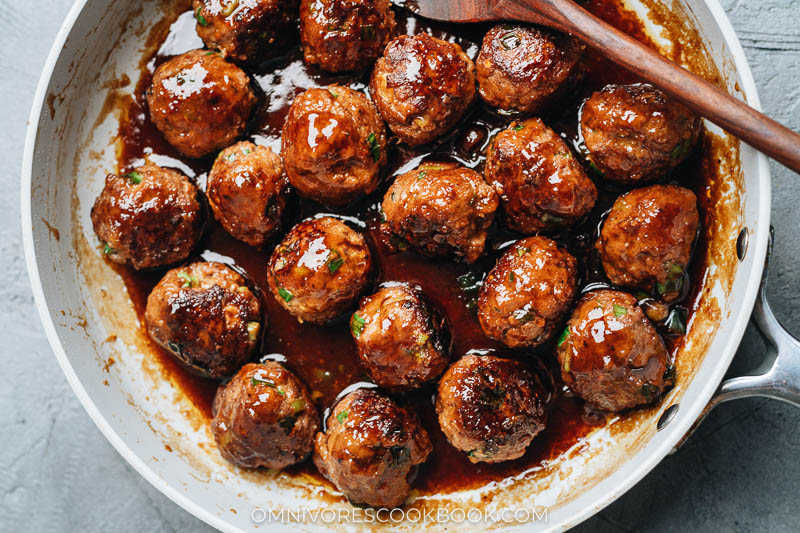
pixel 402 339
pixel 200 102
pixel 205 314
pixel 333 145
pixel 647 239
pixel 319 270
pixel 611 355
pixel 528 292
pixel 264 417
pixel 371 449
pixel 491 408
pixel 150 217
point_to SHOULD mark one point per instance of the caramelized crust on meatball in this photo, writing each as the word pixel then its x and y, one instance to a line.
pixel 525 68
pixel 247 192
pixel 150 217
pixel 247 31
pixel 334 144
pixel 205 315
pixel 264 417
pixel 490 408
pixel 611 355
pixel 441 209
pixel 319 270
pixel 541 185
pixel 200 102
pixel 342 35
pixel 527 293
pixel 647 239
pixel 371 448
pixel 635 133
pixel 402 339
pixel 422 87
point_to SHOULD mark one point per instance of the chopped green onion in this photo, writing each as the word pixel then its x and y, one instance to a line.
pixel 510 40
pixel 519 127
pixel 335 260
pixel 342 416
pixel 334 94
pixel 108 250
pixel 547 218
pixel 357 325
pixel 134 177
pixel 511 277
pixel 200 18
pixel 595 169
pixel 421 174
pixel 188 281
pixel 257 380
pixel 374 147
pixel 674 269
pixel 619 310
pixel 252 331
pixel 522 250
pixel 286 295
pixel 298 405
pixel 564 335
pixel 681 149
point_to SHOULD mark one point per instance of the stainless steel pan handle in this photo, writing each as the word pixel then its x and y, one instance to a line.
pixel 778 376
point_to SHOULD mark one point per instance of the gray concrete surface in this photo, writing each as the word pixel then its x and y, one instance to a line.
pixel 739 472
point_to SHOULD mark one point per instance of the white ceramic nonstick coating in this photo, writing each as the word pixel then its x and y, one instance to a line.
pixel 89 320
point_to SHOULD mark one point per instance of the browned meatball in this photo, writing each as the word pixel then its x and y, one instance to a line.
pixel 490 408
pixel 646 241
pixel 264 416
pixel 319 270
pixel 371 448
pixel 441 209
pixel 525 68
pixel 200 102
pixel 247 191
pixel 207 316
pixel 402 339
pixel 611 355
pixel 422 87
pixel 333 145
pixel 528 292
pixel 150 217
pixel 541 185
pixel 635 133
pixel 342 35
pixel 247 31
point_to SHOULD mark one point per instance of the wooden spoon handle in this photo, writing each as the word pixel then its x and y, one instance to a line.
pixel 758 130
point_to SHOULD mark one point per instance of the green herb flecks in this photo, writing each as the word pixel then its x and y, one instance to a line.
pixel 519 127
pixel 357 325
pixel 108 250
pixel 200 18
pixel 286 295
pixel 619 310
pixel 421 174
pixel 334 94
pixel 342 416
pixel 335 261
pixel 188 280
pixel 134 177
pixel 564 336
pixel 522 250
pixel 374 147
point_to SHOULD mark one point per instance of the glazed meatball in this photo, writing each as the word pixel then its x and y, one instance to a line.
pixel 635 133
pixel 402 339
pixel 526 69
pixel 247 31
pixel 319 270
pixel 490 408
pixel 150 217
pixel 342 35
pixel 528 293
pixel 646 240
pixel 541 185
pixel 264 416
pixel 422 87
pixel 441 209
pixel 200 102
pixel 611 355
pixel 371 448
pixel 333 145
pixel 205 315
pixel 247 192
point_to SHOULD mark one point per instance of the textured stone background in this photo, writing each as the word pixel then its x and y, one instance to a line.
pixel 739 472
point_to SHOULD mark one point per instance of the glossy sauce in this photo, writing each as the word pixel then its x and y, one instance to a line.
pixel 324 356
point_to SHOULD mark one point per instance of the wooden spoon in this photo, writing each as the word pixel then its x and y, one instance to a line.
pixel 758 130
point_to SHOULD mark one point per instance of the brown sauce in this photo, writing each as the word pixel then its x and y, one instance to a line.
pixel 325 357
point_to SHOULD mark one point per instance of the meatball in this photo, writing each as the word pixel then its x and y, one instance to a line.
pixel 264 416
pixel 319 270
pixel 422 87
pixel 441 209
pixel 635 133
pixel 371 448
pixel 200 102
pixel 333 145
pixel 247 31
pixel 342 35
pixel 490 408
pixel 205 315
pixel 247 192
pixel 526 69
pixel 402 339
pixel 611 355
pixel 528 293
pixel 150 217
pixel 541 185
pixel 646 240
